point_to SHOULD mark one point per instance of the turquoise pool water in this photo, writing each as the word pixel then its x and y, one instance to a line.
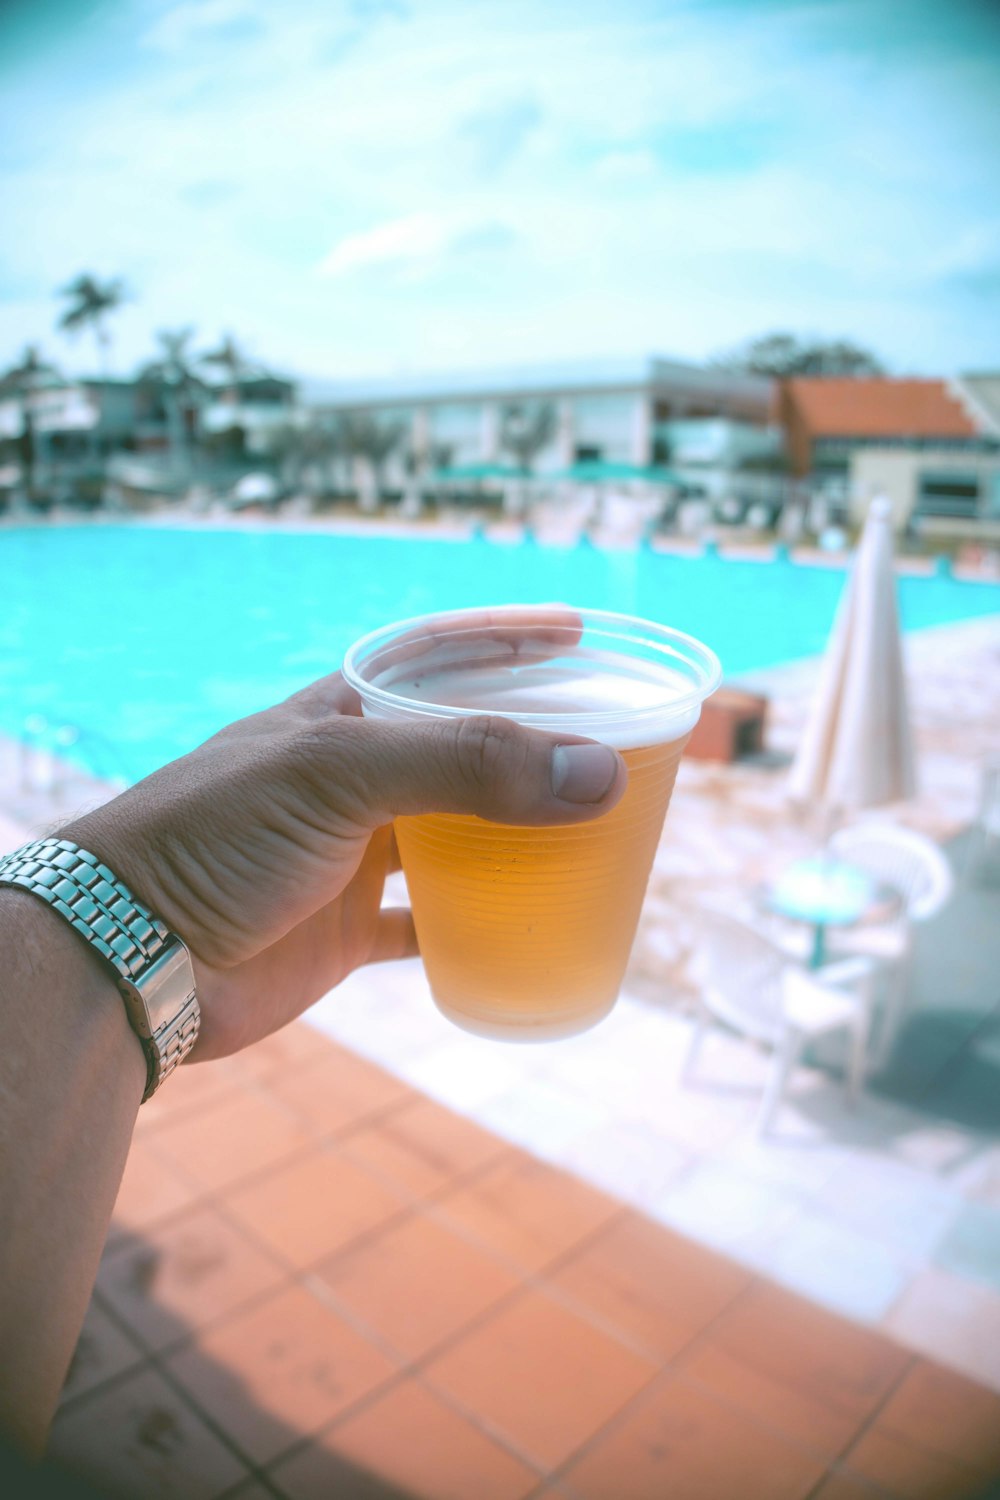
pixel 150 640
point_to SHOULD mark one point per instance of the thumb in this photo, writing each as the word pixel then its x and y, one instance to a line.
pixel 488 766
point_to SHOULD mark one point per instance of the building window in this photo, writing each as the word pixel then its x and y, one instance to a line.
pixel 831 456
pixel 459 426
pixel 952 496
pixel 605 424
pixel 587 455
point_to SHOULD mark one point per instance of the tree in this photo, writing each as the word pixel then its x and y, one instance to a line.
pixel 362 437
pixel 439 456
pixel 180 385
pixel 21 382
pixel 230 358
pixel 90 303
pixel 781 355
pixel 526 430
pixel 306 453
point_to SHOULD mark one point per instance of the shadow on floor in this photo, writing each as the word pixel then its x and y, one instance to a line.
pixel 128 1427
pixel 947 1059
pixel 948 1064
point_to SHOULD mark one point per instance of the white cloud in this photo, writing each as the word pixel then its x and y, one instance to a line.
pixel 976 248
pixel 416 239
pixel 504 175
pixel 419 236
pixel 191 22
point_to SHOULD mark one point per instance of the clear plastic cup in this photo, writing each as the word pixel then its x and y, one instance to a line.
pixel 525 933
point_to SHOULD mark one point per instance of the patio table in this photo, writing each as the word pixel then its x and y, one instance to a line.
pixel 824 892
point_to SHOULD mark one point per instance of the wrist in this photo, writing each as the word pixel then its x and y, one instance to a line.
pixel 115 833
pixel 77 1004
pixel 149 964
pixel 126 835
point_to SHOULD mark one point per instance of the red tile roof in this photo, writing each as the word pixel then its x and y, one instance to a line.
pixel 831 407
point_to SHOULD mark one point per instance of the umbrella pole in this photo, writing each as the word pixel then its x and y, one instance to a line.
pixel 818 820
pixel 831 818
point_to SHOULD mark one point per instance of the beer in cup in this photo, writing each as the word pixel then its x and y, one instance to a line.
pixel 525 933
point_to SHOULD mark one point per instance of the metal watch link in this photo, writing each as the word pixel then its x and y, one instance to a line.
pixel 152 966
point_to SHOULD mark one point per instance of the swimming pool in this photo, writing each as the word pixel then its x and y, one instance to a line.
pixel 151 639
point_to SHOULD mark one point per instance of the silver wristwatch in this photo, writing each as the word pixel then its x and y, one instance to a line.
pixel 151 964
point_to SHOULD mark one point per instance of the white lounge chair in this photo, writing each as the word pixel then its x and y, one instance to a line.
pixel 915 868
pixel 747 984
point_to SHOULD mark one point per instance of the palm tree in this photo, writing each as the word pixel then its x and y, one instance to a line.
pixel 176 377
pixel 90 303
pixel 524 432
pixel 363 437
pixel 306 454
pixel 440 456
pixel 230 358
pixel 420 461
pixel 21 382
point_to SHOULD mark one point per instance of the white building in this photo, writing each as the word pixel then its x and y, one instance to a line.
pixel 933 490
pixel 622 411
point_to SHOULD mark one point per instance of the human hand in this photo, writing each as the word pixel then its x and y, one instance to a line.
pixel 267 848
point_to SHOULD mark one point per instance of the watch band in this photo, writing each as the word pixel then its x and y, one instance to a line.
pixel 151 964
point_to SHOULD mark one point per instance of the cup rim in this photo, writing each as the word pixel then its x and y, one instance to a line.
pixel 677 644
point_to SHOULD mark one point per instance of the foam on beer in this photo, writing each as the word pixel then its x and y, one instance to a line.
pixel 647 704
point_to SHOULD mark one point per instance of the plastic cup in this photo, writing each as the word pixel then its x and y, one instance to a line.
pixel 525 933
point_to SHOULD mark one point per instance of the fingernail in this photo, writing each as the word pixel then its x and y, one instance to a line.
pixel 582 773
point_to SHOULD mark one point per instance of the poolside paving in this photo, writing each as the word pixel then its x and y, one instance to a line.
pixel 578 1192
pixel 398 1303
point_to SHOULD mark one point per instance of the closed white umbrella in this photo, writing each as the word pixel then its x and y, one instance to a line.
pixel 857 749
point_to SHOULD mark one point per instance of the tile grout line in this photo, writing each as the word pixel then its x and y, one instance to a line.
pixel 410 1371
pixel 212 1197
pixel 675 1368
pixel 319 1138
pixel 304 1276
pixel 415 1367
pixel 670 1369
pixel 533 1281
pixel 537 1281
pixel 153 1361
pixel 293 1275
pixel 430 1204
pixel 872 1420
pixel 159 1362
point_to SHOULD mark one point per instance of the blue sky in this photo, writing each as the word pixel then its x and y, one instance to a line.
pixel 370 186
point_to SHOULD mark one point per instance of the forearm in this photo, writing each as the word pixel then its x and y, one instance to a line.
pixel 71 1077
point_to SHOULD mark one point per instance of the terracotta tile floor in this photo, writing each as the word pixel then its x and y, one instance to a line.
pixel 337 1287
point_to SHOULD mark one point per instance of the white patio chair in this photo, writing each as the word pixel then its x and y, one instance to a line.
pixel 747 984
pixel 915 868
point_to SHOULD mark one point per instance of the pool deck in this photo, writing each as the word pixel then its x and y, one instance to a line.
pixel 552 523
pixel 320 1282
pixel 887 1217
